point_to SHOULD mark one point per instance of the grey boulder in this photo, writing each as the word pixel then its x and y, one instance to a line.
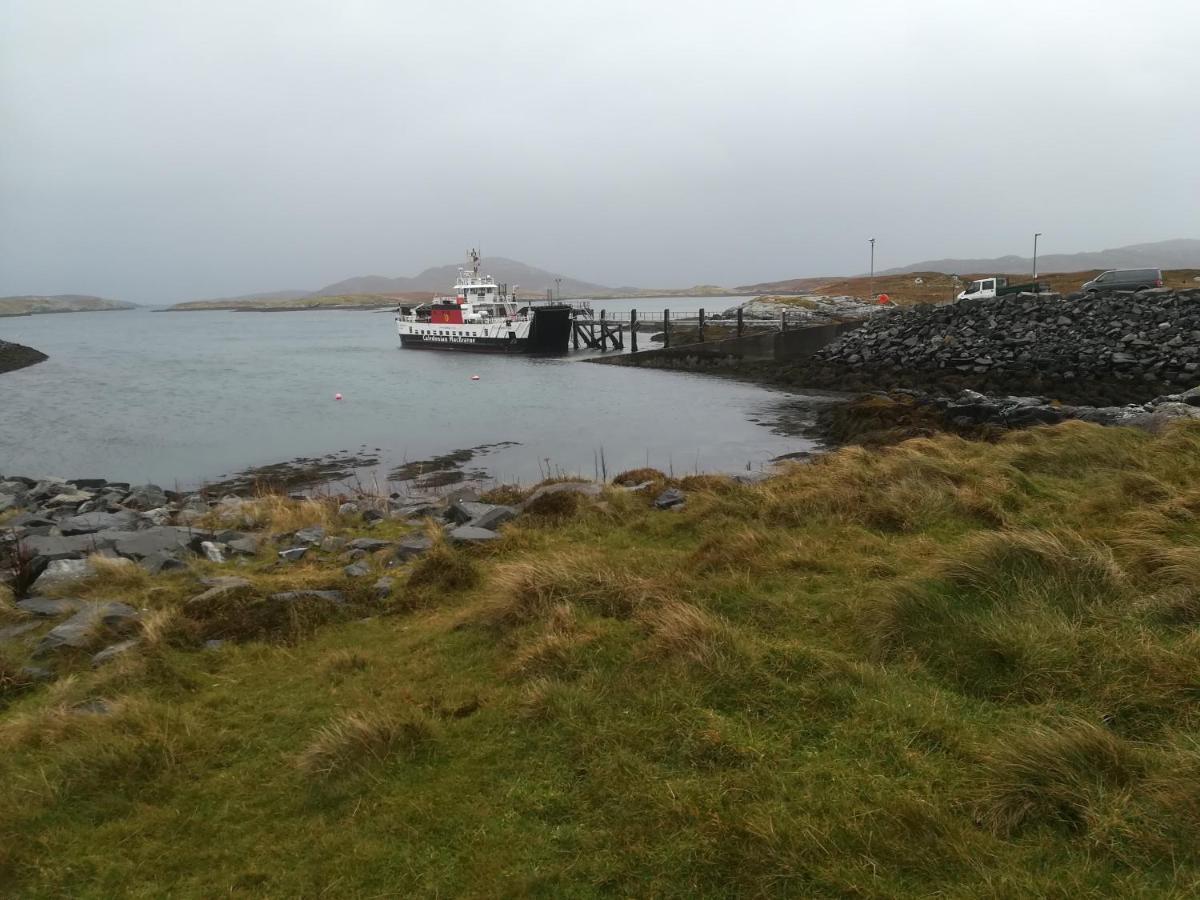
pixel 63 571
pixel 371 545
pixel 50 607
pixel 53 547
pixel 108 654
pixel 670 498
pixel 90 626
pixel 469 534
pixel 494 517
pixel 311 536
pixel 91 522
pixel 412 547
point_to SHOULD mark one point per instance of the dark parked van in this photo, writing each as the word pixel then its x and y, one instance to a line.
pixel 1124 280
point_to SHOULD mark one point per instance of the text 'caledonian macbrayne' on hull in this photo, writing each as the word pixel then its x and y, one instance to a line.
pixel 484 317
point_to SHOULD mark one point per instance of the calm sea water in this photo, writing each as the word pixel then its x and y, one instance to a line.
pixel 177 398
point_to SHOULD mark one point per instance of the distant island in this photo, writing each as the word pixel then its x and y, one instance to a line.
pixel 282 302
pixel 29 305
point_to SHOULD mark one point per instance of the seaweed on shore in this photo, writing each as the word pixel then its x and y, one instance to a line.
pixel 302 472
pixel 438 471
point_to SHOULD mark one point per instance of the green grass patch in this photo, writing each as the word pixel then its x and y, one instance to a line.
pixel 942 668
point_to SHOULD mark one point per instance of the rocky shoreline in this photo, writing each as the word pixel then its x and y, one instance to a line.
pixel 1121 348
pixel 56 534
pixel 18 356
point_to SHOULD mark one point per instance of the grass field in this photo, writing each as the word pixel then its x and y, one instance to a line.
pixel 939 669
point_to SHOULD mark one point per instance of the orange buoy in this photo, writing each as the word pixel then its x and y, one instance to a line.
pixel 884 299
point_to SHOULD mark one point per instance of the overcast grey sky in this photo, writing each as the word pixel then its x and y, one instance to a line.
pixel 158 151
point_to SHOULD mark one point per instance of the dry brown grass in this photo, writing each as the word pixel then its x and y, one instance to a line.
pixel 1053 775
pixel 167 627
pixel 504 495
pixel 901 489
pixel 687 632
pixel 555 508
pixel 443 569
pixel 342 662
pixel 531 590
pixel 8 611
pixel 632 477
pixel 359 740
pixel 117 572
pixel 277 513
pixel 555 651
pixel 738 549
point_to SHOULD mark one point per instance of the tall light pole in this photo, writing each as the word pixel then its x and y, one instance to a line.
pixel 1036 235
pixel 872 270
pixel 558 287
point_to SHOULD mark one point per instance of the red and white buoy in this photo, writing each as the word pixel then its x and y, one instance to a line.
pixel 337 396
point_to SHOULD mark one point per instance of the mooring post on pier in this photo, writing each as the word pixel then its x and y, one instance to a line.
pixel 633 330
pixel 741 327
pixel 666 328
pixel 603 333
pixel 700 328
pixel 575 333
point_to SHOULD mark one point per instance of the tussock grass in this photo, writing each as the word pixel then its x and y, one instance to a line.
pixel 940 669
pixel 247 615
pixel 13 681
pixel 276 513
pixel 897 489
pixel 533 590
pixel 682 630
pixel 444 569
pixel 633 477
pixel 117 572
pixel 1053 775
pixel 740 549
pixel 358 740
pixel 555 508
pixel 345 661
pixel 167 627
pixel 504 495
pixel 8 610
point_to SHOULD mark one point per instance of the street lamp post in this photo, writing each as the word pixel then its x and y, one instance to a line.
pixel 872 270
pixel 1035 237
pixel 558 287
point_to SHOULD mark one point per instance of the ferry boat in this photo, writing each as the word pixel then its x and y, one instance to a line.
pixel 483 316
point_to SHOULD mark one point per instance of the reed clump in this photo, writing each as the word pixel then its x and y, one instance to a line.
pixel 361 739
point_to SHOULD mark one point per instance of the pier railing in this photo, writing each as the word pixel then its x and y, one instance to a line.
pixel 604 332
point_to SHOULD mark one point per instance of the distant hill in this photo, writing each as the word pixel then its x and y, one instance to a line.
pixel 30 305
pixel 1182 253
pixel 531 280
pixel 265 296
pixel 287 302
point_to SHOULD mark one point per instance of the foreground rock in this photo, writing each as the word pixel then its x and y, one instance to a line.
pixel 887 418
pixel 18 356
pixel 1122 348
pixel 92 626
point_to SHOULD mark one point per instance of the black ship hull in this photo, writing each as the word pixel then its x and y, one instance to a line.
pixel 549 332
